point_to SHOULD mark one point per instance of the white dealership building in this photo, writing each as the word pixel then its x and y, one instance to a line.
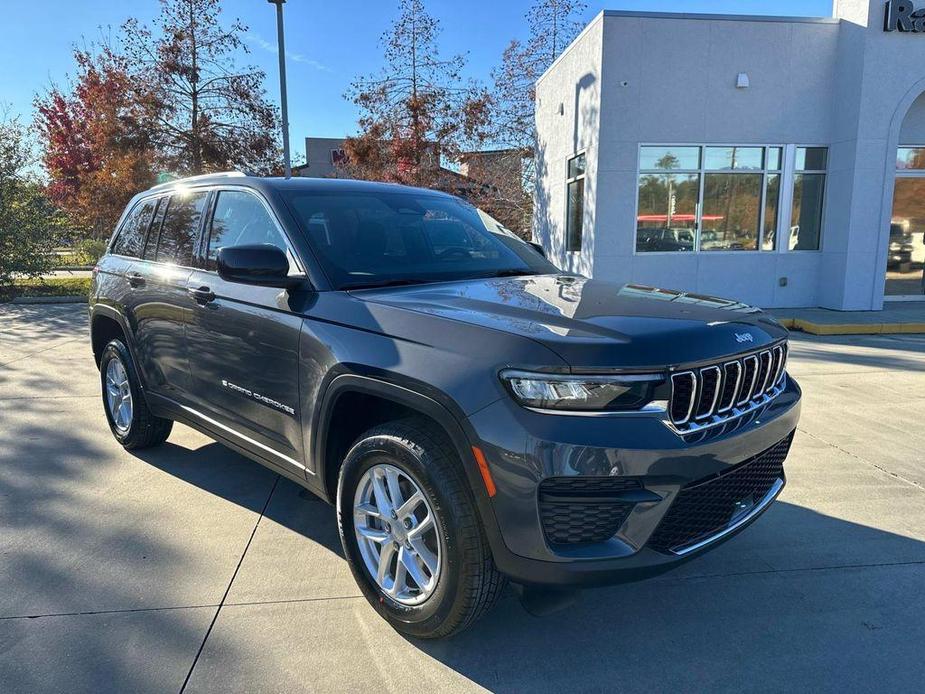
pixel 776 160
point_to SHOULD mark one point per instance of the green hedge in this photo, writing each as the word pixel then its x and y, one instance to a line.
pixel 52 286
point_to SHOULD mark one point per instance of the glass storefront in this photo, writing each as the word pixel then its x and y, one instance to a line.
pixel 904 274
pixel 727 198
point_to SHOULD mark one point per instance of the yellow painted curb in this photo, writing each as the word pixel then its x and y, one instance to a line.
pixel 851 328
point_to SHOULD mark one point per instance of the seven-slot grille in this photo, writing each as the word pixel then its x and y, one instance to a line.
pixel 715 393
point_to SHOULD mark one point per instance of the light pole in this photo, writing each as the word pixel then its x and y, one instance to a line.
pixel 282 83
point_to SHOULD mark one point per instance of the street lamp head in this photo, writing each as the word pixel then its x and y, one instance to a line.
pixel 277 2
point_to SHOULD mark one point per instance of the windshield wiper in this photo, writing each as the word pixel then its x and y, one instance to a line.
pixel 383 283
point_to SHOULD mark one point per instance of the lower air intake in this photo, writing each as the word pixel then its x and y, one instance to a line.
pixel 708 506
pixel 583 510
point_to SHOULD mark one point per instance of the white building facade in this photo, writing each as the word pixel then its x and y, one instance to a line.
pixel 778 161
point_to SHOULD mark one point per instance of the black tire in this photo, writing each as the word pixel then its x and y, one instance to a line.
pixel 145 430
pixel 468 583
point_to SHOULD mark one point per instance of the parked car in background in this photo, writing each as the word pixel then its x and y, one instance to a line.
pixel 901 247
pixel 664 239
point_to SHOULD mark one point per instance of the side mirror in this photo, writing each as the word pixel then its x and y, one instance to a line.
pixel 259 264
pixel 538 248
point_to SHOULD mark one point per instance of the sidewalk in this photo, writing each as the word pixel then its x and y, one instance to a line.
pixel 894 318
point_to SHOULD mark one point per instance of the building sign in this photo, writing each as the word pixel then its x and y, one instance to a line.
pixel 902 15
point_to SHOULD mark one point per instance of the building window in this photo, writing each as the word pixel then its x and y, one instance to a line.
pixel 695 198
pixel 808 198
pixel 575 202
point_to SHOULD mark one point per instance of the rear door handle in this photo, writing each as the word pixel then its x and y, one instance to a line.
pixel 136 279
pixel 202 295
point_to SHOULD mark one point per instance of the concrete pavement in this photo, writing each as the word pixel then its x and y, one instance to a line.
pixel 188 566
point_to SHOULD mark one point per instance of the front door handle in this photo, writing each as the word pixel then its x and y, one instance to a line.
pixel 202 295
pixel 136 279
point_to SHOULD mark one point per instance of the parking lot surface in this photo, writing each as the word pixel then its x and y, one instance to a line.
pixel 190 567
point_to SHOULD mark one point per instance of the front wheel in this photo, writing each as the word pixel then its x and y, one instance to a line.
pixel 411 533
pixel 130 420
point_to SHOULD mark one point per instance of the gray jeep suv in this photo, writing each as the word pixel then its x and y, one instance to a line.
pixel 474 413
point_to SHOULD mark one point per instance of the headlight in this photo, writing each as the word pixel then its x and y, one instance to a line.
pixel 623 393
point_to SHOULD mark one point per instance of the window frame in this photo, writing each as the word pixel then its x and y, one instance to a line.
pixel 162 200
pixel 790 181
pixel 784 203
pixel 201 253
pixel 569 180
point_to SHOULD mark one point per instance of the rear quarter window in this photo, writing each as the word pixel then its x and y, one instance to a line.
pixel 130 240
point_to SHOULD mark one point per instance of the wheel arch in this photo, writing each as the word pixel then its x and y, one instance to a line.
pixel 106 324
pixel 383 401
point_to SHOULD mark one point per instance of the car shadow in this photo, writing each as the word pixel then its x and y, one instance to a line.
pixel 218 470
pixel 799 599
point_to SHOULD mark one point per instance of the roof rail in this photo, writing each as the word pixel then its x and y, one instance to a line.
pixel 188 179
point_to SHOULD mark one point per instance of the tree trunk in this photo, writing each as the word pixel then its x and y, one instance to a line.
pixel 195 139
pixel 415 115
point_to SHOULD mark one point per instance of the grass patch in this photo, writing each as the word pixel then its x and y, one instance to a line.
pixel 51 286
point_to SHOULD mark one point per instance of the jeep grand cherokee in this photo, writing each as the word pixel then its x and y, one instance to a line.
pixel 474 413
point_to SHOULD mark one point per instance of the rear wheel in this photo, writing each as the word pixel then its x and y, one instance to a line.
pixel 130 420
pixel 411 533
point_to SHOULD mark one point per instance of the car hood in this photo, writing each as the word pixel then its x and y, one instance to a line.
pixel 594 323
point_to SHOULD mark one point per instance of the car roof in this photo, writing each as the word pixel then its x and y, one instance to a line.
pixel 313 185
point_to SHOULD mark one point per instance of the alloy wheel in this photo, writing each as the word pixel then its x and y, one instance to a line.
pixel 398 534
pixel 118 396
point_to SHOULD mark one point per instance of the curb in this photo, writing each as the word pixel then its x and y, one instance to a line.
pixel 49 300
pixel 851 328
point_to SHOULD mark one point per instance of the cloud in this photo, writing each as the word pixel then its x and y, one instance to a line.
pixel 271 47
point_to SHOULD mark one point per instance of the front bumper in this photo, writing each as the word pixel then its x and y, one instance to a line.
pixel 524 448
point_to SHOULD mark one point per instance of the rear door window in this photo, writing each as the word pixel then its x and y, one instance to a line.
pixel 131 239
pixel 181 227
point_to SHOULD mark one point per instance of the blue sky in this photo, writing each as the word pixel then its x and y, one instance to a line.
pixel 328 43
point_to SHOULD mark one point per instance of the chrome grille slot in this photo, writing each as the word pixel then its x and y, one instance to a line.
pixel 776 355
pixel 718 393
pixel 764 372
pixel 683 391
pixel 710 378
pixel 782 364
pixel 732 379
pixel 749 376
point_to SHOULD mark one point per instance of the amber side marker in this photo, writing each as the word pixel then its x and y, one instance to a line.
pixel 483 468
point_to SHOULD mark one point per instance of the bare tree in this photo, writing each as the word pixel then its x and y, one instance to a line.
pixel 553 25
pixel 417 110
pixel 205 113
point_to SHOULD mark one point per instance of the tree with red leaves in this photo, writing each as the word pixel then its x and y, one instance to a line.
pixel 95 147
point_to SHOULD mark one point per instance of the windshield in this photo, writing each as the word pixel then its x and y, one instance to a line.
pixel 377 239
